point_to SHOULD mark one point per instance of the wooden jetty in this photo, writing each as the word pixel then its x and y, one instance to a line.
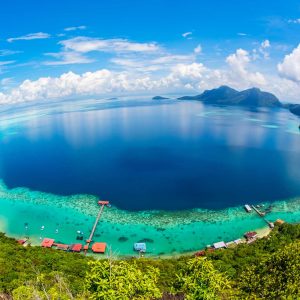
pixel 262 214
pixel 89 240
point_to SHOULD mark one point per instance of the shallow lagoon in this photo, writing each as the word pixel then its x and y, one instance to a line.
pixel 165 232
pixel 140 155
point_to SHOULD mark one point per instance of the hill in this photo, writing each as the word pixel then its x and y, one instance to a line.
pixel 295 109
pixel 159 98
pixel 225 95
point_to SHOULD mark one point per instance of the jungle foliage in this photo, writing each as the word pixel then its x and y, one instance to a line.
pixel 266 269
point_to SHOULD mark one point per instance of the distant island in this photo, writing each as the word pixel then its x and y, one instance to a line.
pixel 225 95
pixel 159 98
pixel 295 109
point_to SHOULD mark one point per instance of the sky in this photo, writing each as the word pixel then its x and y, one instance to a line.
pixel 57 50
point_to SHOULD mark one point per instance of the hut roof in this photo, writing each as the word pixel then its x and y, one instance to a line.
pixel 76 247
pixel 99 247
pixel 102 202
pixel 140 247
pixel 279 222
pixel 47 243
pixel 219 245
pixel 250 234
pixel 62 246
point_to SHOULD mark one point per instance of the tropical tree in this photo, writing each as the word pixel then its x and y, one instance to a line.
pixel 275 277
pixel 199 280
pixel 45 287
pixel 110 280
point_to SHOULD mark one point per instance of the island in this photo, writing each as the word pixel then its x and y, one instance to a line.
pixel 159 98
pixel 295 109
pixel 225 95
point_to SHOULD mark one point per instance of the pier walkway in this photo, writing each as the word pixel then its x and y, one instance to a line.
pixel 89 240
pixel 262 214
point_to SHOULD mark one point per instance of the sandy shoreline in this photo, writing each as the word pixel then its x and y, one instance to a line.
pixel 35 241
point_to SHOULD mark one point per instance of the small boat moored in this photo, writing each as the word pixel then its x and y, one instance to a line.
pixel 247 208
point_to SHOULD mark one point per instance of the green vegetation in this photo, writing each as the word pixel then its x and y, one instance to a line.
pixel 266 269
pixel 121 280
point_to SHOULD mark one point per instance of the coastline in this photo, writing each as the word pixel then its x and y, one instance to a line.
pixel 167 234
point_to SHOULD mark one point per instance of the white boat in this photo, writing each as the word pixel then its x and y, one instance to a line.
pixel 247 208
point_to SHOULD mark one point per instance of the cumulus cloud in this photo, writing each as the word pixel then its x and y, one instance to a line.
pixel 290 67
pixel 30 36
pixel 75 28
pixel 103 82
pixel 189 77
pixel 239 62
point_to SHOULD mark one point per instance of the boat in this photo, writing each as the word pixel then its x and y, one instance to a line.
pixel 247 208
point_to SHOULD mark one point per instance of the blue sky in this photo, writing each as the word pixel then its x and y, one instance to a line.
pixel 64 49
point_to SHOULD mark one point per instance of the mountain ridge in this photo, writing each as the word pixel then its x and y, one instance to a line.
pixel 225 95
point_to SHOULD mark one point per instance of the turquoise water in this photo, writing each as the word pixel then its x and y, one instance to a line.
pixel 166 233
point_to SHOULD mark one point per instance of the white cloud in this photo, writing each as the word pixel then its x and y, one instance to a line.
pixel 263 49
pixel 147 68
pixel 242 34
pixel 265 44
pixel 187 34
pixel 101 82
pixel 4 63
pixel 67 58
pixel 190 78
pixel 290 67
pixel 238 63
pixel 75 28
pixel 154 63
pixel 294 21
pixel 30 36
pixel 7 62
pixel 86 44
pixel 74 50
pixel 6 52
pixel 6 83
pixel 238 60
pixel 198 49
pixel 187 73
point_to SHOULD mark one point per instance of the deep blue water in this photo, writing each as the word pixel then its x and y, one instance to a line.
pixel 153 155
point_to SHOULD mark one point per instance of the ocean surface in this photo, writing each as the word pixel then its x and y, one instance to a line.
pixel 173 170
pixel 148 154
